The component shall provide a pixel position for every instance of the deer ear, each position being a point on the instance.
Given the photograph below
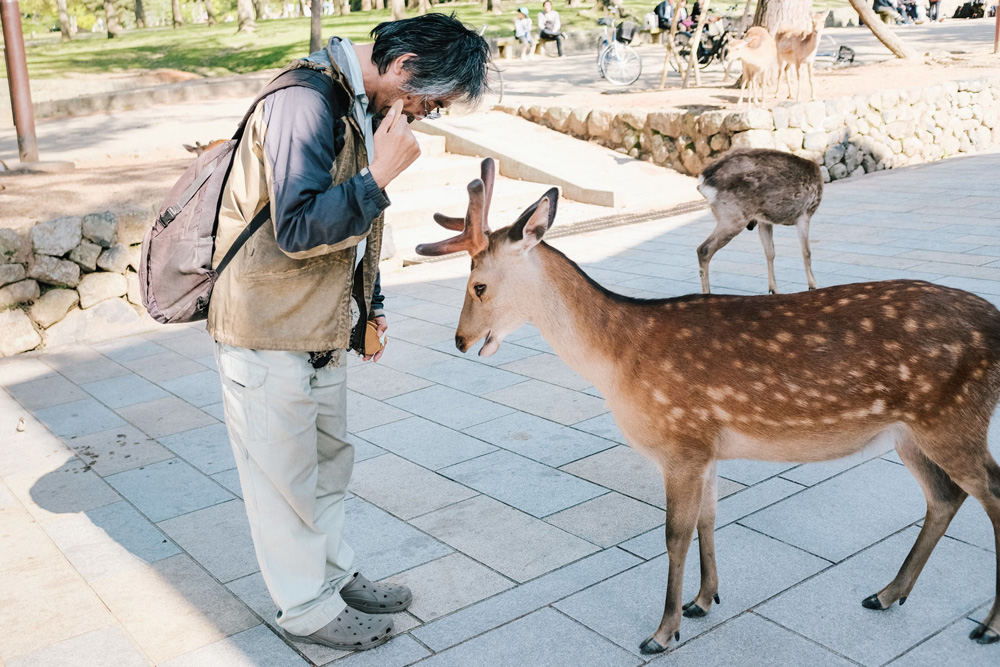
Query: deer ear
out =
(530, 226)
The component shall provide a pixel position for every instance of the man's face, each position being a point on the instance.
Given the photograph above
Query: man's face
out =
(547, 6)
(415, 106)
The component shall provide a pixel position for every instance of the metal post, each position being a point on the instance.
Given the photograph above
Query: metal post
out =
(17, 80)
(996, 33)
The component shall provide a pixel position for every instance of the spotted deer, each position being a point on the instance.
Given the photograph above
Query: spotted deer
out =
(759, 187)
(801, 377)
(756, 51)
(797, 47)
(200, 148)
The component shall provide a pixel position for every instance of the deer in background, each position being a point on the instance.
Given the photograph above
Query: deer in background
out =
(809, 376)
(200, 148)
(757, 53)
(747, 187)
(798, 47)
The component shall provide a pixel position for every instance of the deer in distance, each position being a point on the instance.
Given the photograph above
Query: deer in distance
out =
(801, 377)
(797, 47)
(756, 51)
(759, 187)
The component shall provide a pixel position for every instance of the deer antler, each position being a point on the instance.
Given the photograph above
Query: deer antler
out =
(474, 228)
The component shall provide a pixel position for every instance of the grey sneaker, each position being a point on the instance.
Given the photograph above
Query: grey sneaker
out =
(352, 630)
(365, 596)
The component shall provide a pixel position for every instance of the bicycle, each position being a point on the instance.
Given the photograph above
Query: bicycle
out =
(617, 62)
(713, 43)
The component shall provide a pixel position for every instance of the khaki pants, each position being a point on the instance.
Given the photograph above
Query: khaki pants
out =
(287, 423)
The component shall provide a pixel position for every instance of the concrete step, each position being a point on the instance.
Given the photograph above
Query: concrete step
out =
(585, 172)
(435, 171)
(430, 145)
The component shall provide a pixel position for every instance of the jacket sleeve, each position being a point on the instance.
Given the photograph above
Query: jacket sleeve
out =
(310, 217)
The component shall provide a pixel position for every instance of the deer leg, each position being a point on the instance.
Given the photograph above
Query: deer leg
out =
(684, 493)
(802, 227)
(723, 233)
(709, 590)
(777, 89)
(798, 83)
(944, 498)
(974, 470)
(766, 232)
(809, 71)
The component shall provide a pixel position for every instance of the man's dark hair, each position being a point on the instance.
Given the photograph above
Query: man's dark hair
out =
(451, 58)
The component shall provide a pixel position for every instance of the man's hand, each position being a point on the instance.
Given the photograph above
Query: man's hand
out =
(395, 148)
(383, 326)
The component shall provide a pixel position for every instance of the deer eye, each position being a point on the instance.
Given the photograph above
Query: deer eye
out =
(479, 289)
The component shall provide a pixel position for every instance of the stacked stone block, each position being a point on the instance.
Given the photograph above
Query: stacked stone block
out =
(848, 136)
(71, 279)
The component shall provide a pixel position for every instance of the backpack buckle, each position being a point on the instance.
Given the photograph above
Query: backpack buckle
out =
(168, 216)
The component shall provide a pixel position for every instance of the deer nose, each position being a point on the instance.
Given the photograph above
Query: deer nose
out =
(460, 342)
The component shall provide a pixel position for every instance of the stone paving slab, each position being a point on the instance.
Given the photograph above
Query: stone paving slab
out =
(499, 488)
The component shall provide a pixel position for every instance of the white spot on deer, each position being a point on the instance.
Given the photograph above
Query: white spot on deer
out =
(843, 302)
(720, 413)
(878, 407)
(707, 191)
(904, 372)
(866, 324)
(659, 397)
(849, 338)
(910, 325)
(716, 393)
(677, 413)
(784, 337)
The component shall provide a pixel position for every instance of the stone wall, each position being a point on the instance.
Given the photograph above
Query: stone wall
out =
(848, 136)
(71, 280)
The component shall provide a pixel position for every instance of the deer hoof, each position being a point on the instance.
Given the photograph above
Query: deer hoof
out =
(691, 610)
(872, 602)
(984, 635)
(716, 598)
(651, 646)
(902, 600)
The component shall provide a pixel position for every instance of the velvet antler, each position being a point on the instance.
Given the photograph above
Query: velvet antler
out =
(474, 228)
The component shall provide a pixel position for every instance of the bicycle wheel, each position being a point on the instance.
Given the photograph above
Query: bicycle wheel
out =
(602, 45)
(682, 47)
(621, 65)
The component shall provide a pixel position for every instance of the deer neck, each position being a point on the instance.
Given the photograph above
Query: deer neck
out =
(584, 323)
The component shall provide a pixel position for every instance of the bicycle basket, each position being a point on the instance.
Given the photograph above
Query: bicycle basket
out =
(845, 55)
(626, 31)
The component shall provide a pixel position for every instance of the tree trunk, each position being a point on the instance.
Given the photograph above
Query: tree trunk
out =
(366, 5)
(244, 16)
(65, 27)
(422, 7)
(693, 63)
(258, 9)
(345, 7)
(300, 9)
(111, 16)
(316, 26)
(498, 6)
(210, 10)
(881, 31)
(175, 9)
(774, 14)
(745, 19)
(398, 10)
(379, 4)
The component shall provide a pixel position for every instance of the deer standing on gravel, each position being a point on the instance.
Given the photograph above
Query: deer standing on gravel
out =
(809, 376)
(756, 51)
(758, 187)
(798, 47)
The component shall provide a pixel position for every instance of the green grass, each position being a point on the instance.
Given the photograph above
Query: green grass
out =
(219, 50)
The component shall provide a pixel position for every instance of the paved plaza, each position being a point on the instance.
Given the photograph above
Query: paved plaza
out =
(499, 489)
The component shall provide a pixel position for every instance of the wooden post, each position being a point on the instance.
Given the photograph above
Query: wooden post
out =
(17, 81)
(671, 51)
(695, 41)
(996, 34)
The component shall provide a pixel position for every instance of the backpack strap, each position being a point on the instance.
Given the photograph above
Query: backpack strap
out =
(303, 77)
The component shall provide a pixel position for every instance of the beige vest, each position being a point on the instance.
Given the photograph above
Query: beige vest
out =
(267, 299)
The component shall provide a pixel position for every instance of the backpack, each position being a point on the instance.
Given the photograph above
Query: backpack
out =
(175, 269)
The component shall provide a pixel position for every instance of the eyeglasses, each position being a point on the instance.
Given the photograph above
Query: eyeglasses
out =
(431, 110)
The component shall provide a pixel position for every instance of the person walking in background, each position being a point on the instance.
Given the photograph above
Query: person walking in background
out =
(933, 10)
(550, 29)
(522, 30)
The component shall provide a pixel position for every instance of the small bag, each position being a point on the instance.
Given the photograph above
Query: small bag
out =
(626, 31)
